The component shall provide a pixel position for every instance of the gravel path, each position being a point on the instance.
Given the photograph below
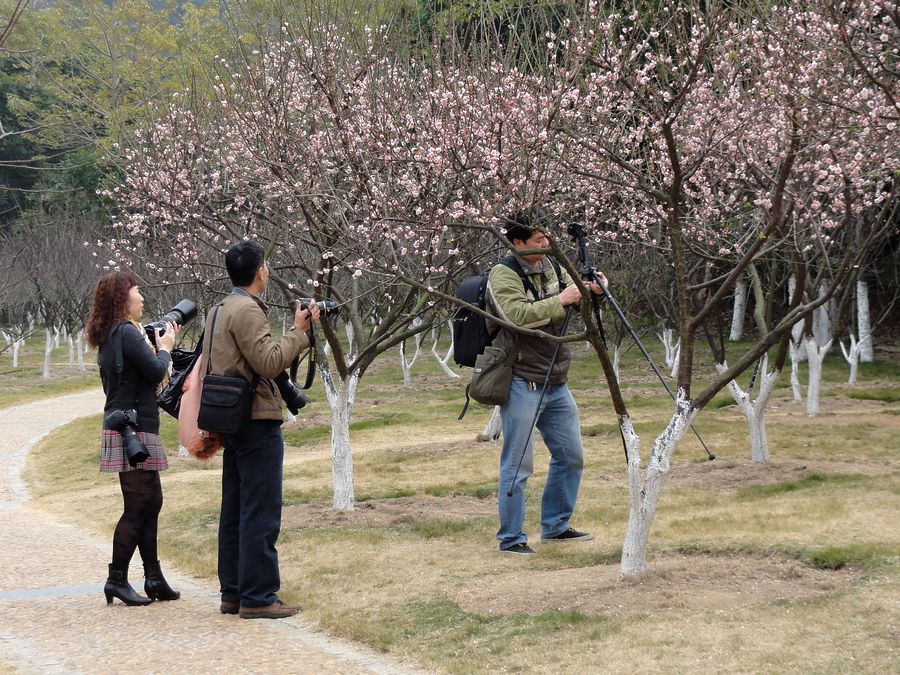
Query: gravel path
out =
(54, 618)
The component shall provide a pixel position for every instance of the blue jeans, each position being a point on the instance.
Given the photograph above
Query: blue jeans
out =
(250, 517)
(560, 429)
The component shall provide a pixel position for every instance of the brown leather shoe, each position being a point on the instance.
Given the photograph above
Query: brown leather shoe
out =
(277, 610)
(229, 607)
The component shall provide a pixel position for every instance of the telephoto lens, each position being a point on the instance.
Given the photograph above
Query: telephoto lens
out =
(293, 396)
(180, 314)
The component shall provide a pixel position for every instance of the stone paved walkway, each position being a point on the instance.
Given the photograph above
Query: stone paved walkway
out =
(54, 618)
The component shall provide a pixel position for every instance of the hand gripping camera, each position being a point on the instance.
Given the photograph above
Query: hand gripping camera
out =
(293, 396)
(180, 314)
(125, 422)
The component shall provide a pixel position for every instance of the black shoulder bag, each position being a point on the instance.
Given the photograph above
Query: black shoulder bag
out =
(224, 401)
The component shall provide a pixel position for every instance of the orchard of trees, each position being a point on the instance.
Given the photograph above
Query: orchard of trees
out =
(735, 166)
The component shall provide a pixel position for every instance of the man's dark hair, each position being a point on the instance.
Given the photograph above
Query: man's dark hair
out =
(242, 261)
(522, 224)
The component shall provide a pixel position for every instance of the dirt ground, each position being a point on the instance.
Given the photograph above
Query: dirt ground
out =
(673, 582)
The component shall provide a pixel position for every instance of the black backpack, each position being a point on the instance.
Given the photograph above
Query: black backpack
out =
(470, 332)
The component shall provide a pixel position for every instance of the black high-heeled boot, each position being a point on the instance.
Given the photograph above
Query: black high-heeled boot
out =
(155, 585)
(117, 586)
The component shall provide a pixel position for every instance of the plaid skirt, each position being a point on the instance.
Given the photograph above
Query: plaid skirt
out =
(114, 460)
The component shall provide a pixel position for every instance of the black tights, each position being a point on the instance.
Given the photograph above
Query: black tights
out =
(142, 493)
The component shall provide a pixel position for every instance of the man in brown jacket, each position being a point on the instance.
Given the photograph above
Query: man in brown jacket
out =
(241, 343)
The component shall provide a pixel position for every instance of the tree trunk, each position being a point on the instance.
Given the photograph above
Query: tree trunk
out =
(822, 328)
(494, 427)
(795, 370)
(816, 356)
(740, 310)
(71, 344)
(340, 399)
(852, 357)
(615, 363)
(673, 350)
(48, 350)
(645, 495)
(863, 322)
(79, 347)
(755, 411)
(799, 351)
(445, 361)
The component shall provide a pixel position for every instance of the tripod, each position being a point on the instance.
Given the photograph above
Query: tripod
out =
(577, 232)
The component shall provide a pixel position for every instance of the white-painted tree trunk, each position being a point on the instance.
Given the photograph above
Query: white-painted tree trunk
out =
(16, 346)
(57, 335)
(852, 356)
(740, 310)
(494, 427)
(645, 493)
(79, 348)
(795, 370)
(864, 323)
(405, 365)
(445, 361)
(48, 350)
(673, 350)
(815, 355)
(755, 411)
(822, 327)
(797, 329)
(341, 396)
(71, 344)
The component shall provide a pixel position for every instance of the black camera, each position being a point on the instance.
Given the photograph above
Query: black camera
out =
(325, 306)
(125, 422)
(293, 396)
(180, 314)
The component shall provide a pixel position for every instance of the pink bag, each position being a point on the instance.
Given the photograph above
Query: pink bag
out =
(201, 444)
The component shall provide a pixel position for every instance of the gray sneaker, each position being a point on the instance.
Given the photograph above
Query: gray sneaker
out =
(277, 610)
(569, 535)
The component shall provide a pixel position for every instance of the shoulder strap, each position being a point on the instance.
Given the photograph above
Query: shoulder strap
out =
(212, 334)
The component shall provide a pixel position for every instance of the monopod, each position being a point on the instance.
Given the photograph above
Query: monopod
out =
(577, 232)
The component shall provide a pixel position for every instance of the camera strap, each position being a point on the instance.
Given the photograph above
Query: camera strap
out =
(311, 366)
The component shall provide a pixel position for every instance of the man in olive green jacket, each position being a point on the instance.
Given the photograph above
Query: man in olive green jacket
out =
(541, 305)
(239, 342)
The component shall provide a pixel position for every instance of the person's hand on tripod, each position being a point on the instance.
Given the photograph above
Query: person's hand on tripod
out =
(596, 288)
(571, 294)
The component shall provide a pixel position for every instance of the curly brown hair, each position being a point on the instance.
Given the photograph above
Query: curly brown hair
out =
(108, 308)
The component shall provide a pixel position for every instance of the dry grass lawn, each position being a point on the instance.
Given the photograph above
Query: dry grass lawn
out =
(790, 566)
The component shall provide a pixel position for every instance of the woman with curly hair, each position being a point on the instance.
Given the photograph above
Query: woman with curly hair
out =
(131, 370)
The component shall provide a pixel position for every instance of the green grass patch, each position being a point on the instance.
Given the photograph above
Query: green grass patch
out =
(884, 395)
(480, 491)
(838, 557)
(814, 480)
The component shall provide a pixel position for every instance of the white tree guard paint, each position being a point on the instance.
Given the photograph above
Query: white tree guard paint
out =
(341, 396)
(815, 355)
(740, 310)
(445, 360)
(795, 370)
(797, 328)
(48, 350)
(821, 325)
(755, 411)
(645, 494)
(864, 323)
(494, 427)
(852, 356)
(79, 347)
(673, 350)
(615, 363)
